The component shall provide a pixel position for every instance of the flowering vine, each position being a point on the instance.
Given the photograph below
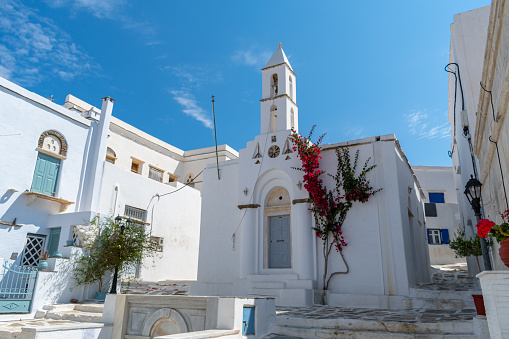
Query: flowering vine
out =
(330, 207)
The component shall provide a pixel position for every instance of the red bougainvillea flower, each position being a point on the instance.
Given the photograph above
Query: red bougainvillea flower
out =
(484, 227)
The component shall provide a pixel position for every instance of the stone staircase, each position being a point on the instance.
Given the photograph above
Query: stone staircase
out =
(340, 322)
(285, 288)
(60, 321)
(89, 312)
(443, 308)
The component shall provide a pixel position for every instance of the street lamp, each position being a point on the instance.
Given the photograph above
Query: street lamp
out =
(473, 193)
(118, 221)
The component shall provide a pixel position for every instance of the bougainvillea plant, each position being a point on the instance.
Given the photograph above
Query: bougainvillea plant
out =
(330, 207)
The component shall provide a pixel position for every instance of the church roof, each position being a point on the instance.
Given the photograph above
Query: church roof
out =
(278, 58)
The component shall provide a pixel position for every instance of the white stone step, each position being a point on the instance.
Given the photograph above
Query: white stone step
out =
(442, 327)
(263, 284)
(325, 333)
(296, 284)
(272, 277)
(442, 294)
(94, 308)
(270, 292)
(75, 316)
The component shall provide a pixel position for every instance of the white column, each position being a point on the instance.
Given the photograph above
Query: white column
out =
(97, 156)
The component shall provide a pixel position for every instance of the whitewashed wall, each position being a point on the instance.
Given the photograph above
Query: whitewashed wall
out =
(387, 250)
(25, 115)
(176, 218)
(467, 49)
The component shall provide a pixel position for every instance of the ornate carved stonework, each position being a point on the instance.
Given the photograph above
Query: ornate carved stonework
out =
(59, 136)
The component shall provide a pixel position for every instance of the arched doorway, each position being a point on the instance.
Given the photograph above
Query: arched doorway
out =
(278, 242)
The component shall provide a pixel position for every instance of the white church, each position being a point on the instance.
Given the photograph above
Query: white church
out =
(256, 234)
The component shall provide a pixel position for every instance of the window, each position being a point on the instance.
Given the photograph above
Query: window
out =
(274, 85)
(110, 155)
(436, 197)
(172, 178)
(438, 236)
(135, 213)
(34, 245)
(155, 174)
(291, 87)
(273, 119)
(430, 209)
(52, 149)
(135, 167)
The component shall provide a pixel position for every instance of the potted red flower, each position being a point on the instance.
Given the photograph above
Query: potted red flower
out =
(487, 228)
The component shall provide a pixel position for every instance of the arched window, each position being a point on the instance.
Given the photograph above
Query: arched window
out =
(52, 149)
(273, 118)
(274, 85)
(292, 118)
(290, 81)
(110, 155)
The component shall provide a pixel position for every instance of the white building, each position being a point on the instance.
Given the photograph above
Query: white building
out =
(256, 234)
(62, 166)
(441, 211)
(467, 49)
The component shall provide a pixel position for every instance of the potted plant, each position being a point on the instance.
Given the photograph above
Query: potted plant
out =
(487, 228)
(115, 246)
(465, 247)
(43, 262)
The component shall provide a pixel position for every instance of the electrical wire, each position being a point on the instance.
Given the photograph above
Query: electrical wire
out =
(496, 146)
(456, 78)
(252, 193)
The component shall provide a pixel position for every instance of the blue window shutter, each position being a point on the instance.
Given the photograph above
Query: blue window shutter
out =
(436, 197)
(45, 174)
(445, 236)
(429, 238)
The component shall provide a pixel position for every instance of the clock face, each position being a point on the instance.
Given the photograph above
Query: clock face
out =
(273, 151)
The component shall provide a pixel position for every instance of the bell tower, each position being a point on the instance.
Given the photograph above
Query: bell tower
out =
(279, 111)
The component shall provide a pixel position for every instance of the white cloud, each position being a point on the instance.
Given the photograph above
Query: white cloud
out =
(28, 41)
(251, 57)
(191, 108)
(101, 9)
(428, 125)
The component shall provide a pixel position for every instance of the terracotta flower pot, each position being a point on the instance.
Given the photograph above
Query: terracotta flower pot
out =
(479, 304)
(504, 252)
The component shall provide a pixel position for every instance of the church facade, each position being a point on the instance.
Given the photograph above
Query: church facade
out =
(256, 234)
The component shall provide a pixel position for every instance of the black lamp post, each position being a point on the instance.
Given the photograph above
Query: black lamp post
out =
(118, 221)
(473, 193)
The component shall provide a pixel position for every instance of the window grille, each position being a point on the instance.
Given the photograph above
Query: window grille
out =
(135, 213)
(33, 248)
(75, 239)
(155, 174)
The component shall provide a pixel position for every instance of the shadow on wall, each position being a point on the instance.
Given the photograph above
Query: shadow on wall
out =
(36, 213)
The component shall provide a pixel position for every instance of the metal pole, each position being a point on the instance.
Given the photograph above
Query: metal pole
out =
(215, 137)
(476, 205)
(115, 275)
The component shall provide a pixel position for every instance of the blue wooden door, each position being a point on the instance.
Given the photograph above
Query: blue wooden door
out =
(248, 321)
(279, 242)
(45, 174)
(54, 239)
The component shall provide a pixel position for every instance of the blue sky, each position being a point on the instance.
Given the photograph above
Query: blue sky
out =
(363, 68)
